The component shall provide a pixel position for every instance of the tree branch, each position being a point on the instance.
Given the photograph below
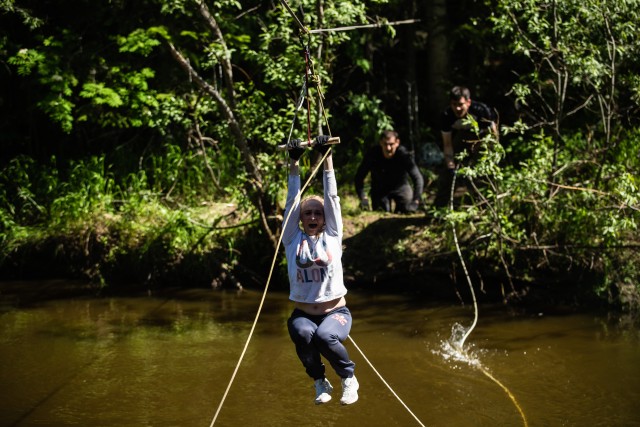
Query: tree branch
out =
(255, 178)
(225, 61)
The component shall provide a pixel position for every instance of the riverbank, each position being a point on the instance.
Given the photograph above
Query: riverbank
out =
(391, 252)
(382, 252)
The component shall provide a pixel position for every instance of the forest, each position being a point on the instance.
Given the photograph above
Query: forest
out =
(139, 140)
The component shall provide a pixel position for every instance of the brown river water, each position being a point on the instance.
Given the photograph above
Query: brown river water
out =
(70, 358)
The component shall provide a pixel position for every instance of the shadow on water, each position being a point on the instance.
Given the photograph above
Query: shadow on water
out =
(71, 358)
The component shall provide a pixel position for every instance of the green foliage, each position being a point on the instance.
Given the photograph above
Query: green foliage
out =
(101, 94)
(28, 19)
(108, 221)
(108, 87)
(87, 192)
(561, 192)
(522, 220)
(366, 116)
(142, 41)
(128, 103)
(571, 188)
(580, 54)
(49, 64)
(370, 111)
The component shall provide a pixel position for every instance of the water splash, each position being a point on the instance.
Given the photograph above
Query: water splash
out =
(453, 348)
(458, 334)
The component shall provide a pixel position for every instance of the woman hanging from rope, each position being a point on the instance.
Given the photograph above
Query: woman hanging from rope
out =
(320, 321)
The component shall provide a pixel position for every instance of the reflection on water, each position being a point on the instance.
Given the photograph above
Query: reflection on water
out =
(69, 358)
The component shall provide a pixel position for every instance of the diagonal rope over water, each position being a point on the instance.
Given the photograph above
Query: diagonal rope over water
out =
(385, 383)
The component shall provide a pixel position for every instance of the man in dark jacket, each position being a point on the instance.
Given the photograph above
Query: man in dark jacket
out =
(458, 135)
(390, 165)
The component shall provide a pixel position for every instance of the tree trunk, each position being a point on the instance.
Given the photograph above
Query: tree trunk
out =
(437, 85)
(413, 124)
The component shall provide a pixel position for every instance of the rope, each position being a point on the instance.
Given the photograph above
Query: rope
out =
(385, 383)
(307, 60)
(264, 294)
(460, 346)
(506, 390)
(304, 94)
(464, 266)
(299, 104)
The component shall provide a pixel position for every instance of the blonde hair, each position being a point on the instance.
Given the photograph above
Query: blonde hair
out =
(312, 197)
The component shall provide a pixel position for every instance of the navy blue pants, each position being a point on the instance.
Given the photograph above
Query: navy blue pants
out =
(316, 335)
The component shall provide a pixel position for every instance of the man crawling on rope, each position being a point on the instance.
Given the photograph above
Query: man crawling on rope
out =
(320, 321)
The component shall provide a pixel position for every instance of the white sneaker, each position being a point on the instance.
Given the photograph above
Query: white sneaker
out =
(350, 388)
(323, 391)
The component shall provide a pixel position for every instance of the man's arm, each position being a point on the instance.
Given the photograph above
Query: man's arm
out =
(447, 149)
(414, 173)
(494, 128)
(487, 118)
(361, 174)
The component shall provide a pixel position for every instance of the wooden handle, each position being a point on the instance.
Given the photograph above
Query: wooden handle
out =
(304, 144)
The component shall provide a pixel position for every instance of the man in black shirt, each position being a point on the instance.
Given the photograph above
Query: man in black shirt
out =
(458, 134)
(390, 165)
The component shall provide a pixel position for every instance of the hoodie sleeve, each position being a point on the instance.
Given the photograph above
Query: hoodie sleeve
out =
(292, 210)
(332, 210)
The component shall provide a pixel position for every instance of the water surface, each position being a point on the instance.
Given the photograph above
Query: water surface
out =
(72, 358)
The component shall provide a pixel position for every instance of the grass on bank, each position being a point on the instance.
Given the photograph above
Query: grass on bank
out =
(165, 227)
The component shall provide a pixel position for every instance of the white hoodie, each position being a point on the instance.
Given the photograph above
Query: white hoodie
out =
(314, 266)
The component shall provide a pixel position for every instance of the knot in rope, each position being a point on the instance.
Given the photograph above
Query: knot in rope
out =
(313, 80)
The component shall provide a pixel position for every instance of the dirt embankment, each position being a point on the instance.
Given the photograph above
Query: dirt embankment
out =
(382, 252)
(399, 253)
(390, 252)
